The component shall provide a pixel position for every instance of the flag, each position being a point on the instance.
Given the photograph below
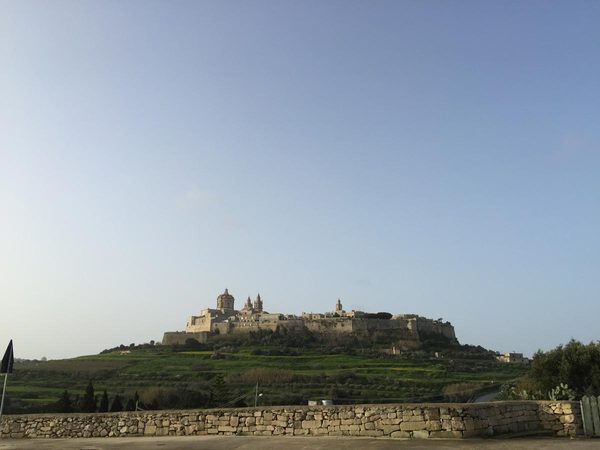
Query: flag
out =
(8, 360)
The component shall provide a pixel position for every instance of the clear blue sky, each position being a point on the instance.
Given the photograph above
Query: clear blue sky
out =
(430, 157)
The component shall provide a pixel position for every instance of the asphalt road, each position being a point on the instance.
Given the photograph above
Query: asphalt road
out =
(292, 443)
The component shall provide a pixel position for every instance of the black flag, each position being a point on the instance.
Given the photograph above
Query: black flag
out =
(8, 360)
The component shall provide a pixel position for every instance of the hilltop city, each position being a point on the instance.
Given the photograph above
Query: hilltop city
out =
(225, 319)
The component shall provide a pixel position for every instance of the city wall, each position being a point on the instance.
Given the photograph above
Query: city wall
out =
(424, 421)
(180, 337)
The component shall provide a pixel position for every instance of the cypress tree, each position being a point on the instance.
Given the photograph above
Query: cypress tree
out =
(89, 400)
(117, 404)
(64, 403)
(103, 402)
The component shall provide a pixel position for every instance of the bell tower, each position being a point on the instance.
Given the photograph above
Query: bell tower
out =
(225, 302)
(258, 304)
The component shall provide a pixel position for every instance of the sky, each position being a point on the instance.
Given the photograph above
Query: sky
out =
(432, 157)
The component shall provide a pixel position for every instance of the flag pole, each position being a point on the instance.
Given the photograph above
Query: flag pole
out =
(3, 393)
(6, 367)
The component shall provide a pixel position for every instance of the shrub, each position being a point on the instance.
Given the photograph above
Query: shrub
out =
(576, 365)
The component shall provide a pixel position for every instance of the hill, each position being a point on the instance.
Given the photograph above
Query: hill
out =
(289, 370)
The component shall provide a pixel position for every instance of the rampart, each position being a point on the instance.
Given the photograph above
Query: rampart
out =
(180, 337)
(225, 319)
(455, 420)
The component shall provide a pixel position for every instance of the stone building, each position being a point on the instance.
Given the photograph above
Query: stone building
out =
(226, 319)
(510, 357)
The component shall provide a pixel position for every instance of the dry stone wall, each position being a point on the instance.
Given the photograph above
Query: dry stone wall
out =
(393, 421)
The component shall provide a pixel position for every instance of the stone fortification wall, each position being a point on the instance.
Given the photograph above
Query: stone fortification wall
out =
(351, 325)
(179, 337)
(395, 421)
(429, 326)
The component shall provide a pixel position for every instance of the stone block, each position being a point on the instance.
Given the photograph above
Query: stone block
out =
(445, 434)
(569, 418)
(474, 433)
(457, 424)
(413, 426)
(469, 424)
(433, 425)
(420, 434)
(432, 414)
(400, 434)
(389, 429)
(310, 424)
(371, 433)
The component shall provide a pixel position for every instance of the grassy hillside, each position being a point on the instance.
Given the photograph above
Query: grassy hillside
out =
(226, 374)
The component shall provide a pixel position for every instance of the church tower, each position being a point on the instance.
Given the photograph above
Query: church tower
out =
(258, 304)
(225, 302)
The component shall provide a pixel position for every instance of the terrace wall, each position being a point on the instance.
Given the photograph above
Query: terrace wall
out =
(393, 420)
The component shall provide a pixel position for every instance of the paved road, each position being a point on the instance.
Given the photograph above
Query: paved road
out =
(293, 443)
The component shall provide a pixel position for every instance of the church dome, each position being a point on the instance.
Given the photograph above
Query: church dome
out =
(225, 301)
(225, 296)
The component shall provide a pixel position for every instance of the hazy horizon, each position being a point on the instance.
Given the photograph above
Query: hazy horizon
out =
(428, 157)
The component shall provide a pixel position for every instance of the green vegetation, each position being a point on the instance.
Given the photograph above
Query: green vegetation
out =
(567, 372)
(289, 369)
(88, 403)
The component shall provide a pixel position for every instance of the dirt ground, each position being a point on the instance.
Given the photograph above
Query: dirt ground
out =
(291, 443)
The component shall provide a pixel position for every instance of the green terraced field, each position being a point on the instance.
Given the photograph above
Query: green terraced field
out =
(166, 378)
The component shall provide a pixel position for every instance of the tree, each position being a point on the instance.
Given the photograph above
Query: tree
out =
(64, 404)
(576, 365)
(132, 403)
(103, 402)
(117, 404)
(130, 406)
(218, 391)
(88, 403)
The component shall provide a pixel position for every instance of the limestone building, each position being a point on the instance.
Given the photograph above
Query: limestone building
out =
(226, 319)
